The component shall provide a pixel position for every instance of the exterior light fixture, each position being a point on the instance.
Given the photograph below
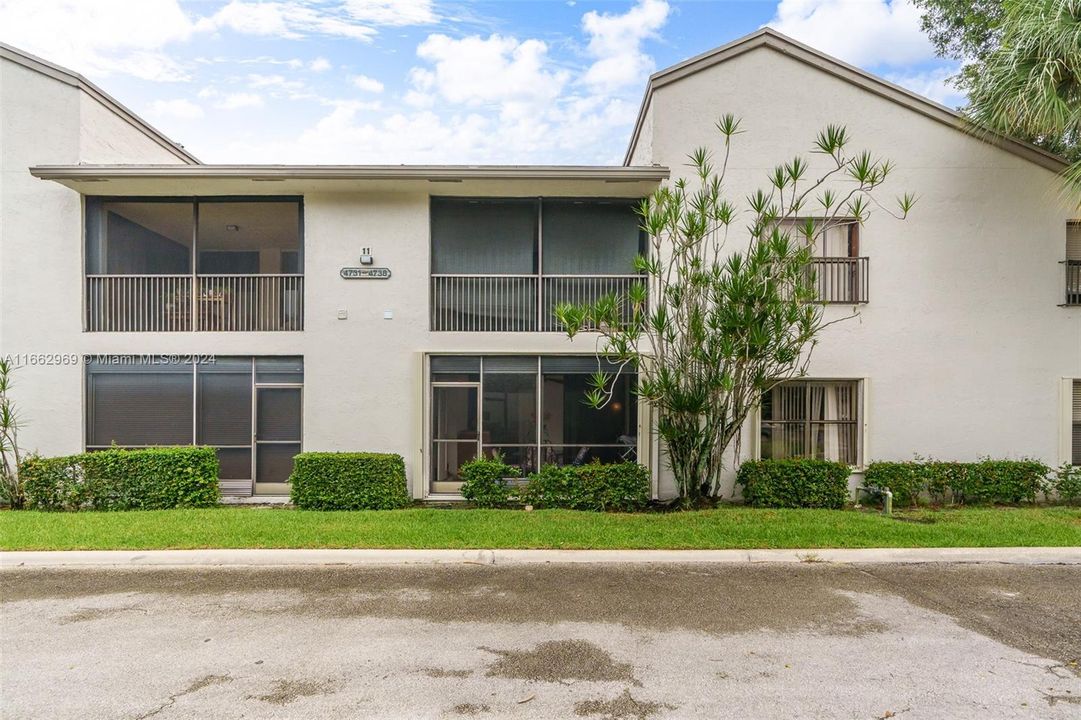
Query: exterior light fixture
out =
(232, 228)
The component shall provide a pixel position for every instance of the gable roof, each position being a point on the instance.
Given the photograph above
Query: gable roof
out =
(770, 38)
(32, 62)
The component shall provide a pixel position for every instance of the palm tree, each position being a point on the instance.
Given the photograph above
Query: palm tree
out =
(1030, 86)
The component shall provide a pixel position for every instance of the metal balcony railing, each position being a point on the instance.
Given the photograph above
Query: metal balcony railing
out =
(842, 279)
(582, 289)
(515, 303)
(1073, 282)
(180, 303)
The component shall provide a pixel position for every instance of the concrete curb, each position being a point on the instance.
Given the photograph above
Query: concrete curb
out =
(375, 557)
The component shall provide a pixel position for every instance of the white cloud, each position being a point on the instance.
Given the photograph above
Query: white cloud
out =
(933, 84)
(862, 32)
(275, 82)
(319, 64)
(236, 101)
(615, 41)
(295, 19)
(392, 12)
(494, 70)
(178, 109)
(100, 37)
(367, 84)
(290, 19)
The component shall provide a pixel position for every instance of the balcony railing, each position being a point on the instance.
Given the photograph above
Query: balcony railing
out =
(515, 303)
(167, 303)
(582, 289)
(842, 279)
(1073, 282)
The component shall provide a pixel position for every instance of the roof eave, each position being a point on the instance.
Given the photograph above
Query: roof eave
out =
(353, 172)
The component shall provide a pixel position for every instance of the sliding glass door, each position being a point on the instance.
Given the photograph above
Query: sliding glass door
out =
(530, 410)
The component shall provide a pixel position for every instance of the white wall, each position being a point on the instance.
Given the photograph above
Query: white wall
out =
(962, 341)
(44, 120)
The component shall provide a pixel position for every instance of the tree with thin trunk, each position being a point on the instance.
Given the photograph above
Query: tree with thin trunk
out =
(10, 454)
(709, 329)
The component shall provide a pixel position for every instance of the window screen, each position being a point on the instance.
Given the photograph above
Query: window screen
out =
(590, 237)
(496, 237)
(570, 431)
(223, 402)
(134, 403)
(138, 237)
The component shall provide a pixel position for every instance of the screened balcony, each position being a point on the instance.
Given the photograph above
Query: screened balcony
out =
(502, 265)
(246, 255)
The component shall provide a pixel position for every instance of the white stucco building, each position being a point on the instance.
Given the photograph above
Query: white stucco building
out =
(267, 309)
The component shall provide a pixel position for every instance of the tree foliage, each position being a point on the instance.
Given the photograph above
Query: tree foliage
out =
(1022, 66)
(11, 487)
(710, 329)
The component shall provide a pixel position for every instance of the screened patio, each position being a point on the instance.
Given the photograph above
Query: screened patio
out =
(503, 265)
(172, 265)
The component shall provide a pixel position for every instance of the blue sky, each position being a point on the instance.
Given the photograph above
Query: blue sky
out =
(428, 81)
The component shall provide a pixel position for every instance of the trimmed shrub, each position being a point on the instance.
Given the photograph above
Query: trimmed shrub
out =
(348, 481)
(619, 487)
(986, 481)
(797, 483)
(1066, 483)
(147, 479)
(906, 480)
(484, 481)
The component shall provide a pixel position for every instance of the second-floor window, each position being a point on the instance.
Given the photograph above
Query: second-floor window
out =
(841, 273)
(504, 264)
(221, 264)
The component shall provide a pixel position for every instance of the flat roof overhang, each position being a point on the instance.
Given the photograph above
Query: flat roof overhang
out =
(491, 180)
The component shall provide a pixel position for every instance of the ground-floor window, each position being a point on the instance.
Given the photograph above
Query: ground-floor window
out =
(484, 406)
(1075, 405)
(812, 419)
(248, 408)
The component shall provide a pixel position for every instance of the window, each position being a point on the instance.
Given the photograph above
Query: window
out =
(812, 419)
(484, 406)
(248, 409)
(1075, 405)
(1073, 263)
(840, 273)
(502, 264)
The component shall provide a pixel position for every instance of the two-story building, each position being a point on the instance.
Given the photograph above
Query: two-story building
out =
(262, 310)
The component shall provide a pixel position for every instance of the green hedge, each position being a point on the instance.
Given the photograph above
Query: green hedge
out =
(794, 483)
(349, 481)
(986, 481)
(1066, 483)
(150, 479)
(621, 487)
(484, 481)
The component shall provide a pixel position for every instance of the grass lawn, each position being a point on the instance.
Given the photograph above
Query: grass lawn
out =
(732, 527)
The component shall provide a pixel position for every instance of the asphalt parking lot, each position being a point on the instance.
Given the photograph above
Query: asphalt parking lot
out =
(544, 641)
